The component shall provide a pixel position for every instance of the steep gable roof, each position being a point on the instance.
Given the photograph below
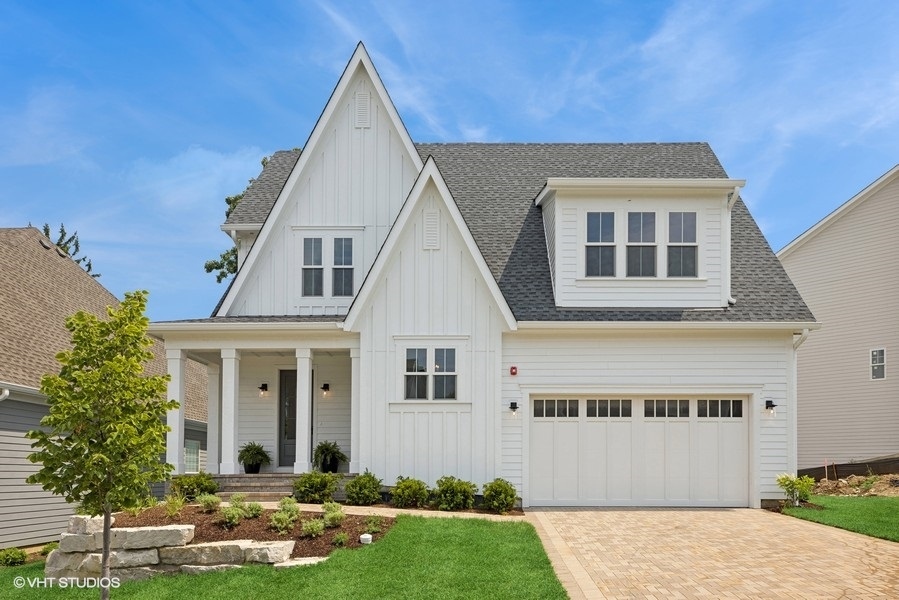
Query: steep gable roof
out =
(40, 286)
(262, 192)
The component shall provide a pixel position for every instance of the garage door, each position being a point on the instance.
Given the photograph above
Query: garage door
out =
(639, 452)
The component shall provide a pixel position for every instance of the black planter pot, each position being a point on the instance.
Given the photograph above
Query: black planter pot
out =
(330, 465)
(251, 469)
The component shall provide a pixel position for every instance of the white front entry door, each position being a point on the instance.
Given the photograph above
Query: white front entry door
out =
(639, 452)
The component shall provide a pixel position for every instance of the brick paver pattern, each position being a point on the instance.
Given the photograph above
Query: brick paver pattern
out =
(711, 553)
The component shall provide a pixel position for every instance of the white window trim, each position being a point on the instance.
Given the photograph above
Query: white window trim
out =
(327, 236)
(621, 244)
(654, 244)
(351, 266)
(304, 266)
(669, 244)
(872, 364)
(430, 344)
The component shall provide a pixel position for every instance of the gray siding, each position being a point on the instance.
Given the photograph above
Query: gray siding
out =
(28, 514)
(847, 274)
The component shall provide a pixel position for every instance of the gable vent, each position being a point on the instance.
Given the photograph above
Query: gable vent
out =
(431, 229)
(363, 110)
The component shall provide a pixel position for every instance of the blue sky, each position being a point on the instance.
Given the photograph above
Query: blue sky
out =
(131, 121)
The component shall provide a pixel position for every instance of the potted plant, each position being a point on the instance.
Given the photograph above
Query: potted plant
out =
(327, 457)
(253, 456)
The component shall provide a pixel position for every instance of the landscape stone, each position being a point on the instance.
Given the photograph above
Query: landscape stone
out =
(197, 569)
(269, 552)
(138, 573)
(78, 542)
(70, 561)
(211, 553)
(134, 538)
(85, 525)
(301, 562)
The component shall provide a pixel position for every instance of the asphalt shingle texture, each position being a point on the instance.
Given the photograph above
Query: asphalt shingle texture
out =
(495, 185)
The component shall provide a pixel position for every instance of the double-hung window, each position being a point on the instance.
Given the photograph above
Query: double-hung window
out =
(600, 250)
(682, 249)
(878, 364)
(313, 273)
(641, 244)
(430, 374)
(342, 279)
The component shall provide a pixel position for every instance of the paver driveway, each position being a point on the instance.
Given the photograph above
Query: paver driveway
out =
(711, 553)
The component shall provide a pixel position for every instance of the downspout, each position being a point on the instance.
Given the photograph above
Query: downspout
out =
(731, 200)
(4, 394)
(801, 339)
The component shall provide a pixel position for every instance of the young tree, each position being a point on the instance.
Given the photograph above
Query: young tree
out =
(101, 440)
(71, 246)
(226, 264)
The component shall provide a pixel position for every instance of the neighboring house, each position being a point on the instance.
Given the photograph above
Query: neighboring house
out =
(40, 286)
(600, 324)
(846, 268)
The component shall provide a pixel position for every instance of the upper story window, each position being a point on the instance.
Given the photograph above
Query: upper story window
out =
(878, 364)
(430, 379)
(641, 244)
(682, 248)
(313, 273)
(600, 250)
(343, 267)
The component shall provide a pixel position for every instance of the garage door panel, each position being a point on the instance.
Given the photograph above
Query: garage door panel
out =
(665, 452)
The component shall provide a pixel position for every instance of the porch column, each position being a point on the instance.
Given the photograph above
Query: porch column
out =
(355, 448)
(230, 388)
(213, 422)
(303, 460)
(174, 442)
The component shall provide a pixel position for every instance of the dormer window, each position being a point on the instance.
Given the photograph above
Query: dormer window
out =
(600, 250)
(641, 244)
(682, 249)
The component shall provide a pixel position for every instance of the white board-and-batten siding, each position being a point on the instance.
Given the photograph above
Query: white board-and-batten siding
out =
(568, 236)
(28, 514)
(353, 184)
(847, 275)
(431, 298)
(658, 364)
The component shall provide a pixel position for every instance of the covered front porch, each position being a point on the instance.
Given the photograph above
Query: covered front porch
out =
(287, 389)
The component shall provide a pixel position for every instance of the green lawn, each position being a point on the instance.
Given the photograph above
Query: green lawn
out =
(419, 557)
(870, 515)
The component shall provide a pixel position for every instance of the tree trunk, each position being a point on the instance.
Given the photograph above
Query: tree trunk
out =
(104, 569)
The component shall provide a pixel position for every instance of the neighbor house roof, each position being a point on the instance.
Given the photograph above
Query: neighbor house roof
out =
(495, 185)
(40, 286)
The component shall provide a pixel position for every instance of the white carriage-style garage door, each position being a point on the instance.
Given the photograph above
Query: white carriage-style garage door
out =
(639, 452)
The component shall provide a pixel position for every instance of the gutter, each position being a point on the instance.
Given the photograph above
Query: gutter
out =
(4, 394)
(801, 339)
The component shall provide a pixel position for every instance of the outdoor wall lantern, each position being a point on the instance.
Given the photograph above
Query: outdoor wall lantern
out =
(770, 407)
(514, 408)
(263, 390)
(326, 387)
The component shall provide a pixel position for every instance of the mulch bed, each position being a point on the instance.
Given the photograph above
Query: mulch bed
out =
(208, 529)
(782, 504)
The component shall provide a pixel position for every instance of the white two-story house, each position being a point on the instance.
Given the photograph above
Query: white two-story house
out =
(600, 324)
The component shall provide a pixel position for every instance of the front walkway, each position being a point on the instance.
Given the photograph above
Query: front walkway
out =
(711, 553)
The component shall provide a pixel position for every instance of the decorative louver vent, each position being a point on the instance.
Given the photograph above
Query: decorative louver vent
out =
(431, 229)
(363, 110)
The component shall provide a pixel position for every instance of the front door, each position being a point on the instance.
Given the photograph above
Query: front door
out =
(287, 418)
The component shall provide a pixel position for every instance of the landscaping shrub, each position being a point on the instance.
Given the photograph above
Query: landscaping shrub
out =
(373, 524)
(409, 492)
(173, 505)
(331, 507)
(289, 505)
(238, 501)
(499, 496)
(363, 490)
(797, 489)
(230, 516)
(252, 510)
(333, 519)
(191, 486)
(12, 557)
(209, 502)
(341, 539)
(49, 547)
(315, 487)
(313, 528)
(283, 521)
(454, 494)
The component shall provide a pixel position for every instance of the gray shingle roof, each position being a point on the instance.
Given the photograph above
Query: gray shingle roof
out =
(39, 289)
(262, 192)
(495, 185)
